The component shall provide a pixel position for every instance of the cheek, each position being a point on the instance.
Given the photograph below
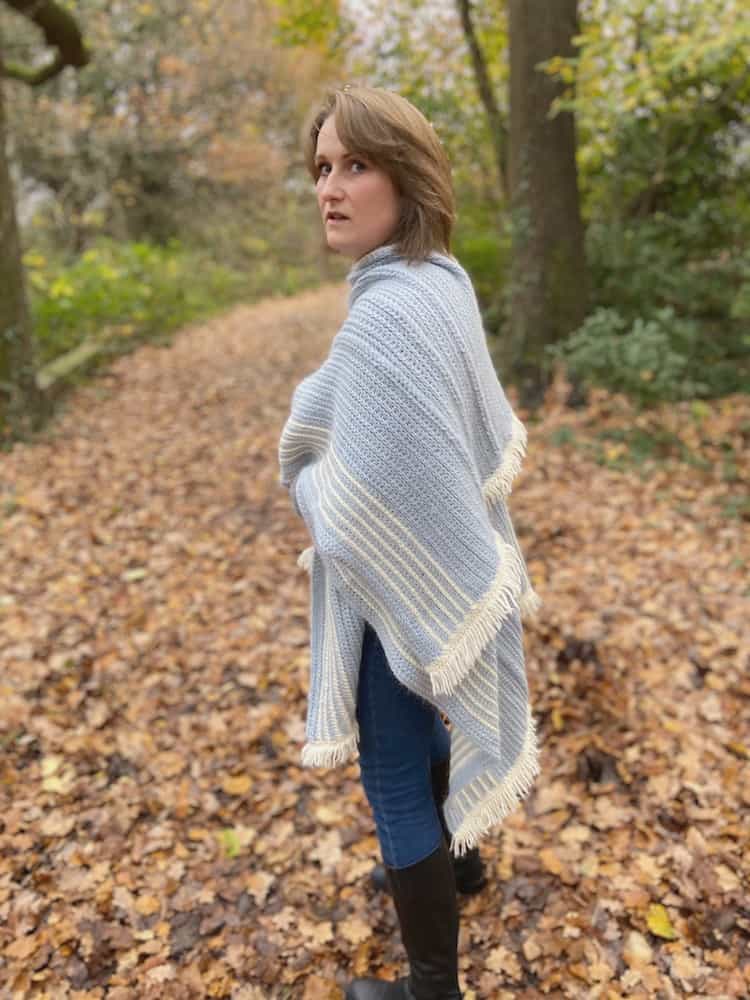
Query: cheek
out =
(394, 202)
(382, 197)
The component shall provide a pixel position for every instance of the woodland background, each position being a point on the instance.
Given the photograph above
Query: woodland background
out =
(163, 287)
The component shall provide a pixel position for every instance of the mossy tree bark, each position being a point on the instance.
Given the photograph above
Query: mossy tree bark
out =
(23, 406)
(549, 282)
(21, 403)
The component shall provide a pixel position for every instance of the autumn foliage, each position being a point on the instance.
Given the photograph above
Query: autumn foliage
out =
(158, 836)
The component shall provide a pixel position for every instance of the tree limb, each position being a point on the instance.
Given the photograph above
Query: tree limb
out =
(60, 31)
(498, 130)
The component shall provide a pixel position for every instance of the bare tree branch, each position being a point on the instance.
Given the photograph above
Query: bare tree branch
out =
(498, 129)
(60, 31)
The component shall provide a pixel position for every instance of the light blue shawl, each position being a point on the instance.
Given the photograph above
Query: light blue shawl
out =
(399, 452)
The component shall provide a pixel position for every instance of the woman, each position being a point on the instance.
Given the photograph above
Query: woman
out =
(399, 453)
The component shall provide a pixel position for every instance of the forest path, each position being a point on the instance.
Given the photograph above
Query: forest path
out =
(158, 837)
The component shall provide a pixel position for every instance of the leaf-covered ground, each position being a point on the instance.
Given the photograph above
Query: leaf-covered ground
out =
(158, 837)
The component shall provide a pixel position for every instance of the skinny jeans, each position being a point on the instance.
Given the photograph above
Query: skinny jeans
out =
(401, 737)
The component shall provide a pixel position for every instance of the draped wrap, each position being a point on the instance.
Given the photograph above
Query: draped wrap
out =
(399, 453)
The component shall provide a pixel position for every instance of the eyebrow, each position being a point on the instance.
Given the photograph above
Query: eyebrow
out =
(346, 156)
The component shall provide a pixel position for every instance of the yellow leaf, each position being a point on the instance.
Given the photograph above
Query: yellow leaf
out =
(238, 784)
(659, 923)
(550, 860)
(50, 764)
(57, 776)
(146, 905)
(229, 842)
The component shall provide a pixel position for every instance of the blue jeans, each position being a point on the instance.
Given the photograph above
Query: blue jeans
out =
(401, 737)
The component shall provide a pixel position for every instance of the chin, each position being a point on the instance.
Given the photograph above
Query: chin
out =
(342, 250)
(333, 245)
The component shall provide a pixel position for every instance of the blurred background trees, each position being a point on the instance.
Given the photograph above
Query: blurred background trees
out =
(600, 156)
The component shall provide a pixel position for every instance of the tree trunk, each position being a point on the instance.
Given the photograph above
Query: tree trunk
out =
(22, 405)
(549, 284)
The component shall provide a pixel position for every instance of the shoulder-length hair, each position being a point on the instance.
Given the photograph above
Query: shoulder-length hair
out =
(395, 136)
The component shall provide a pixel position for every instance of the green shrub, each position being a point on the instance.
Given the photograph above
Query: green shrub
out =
(482, 245)
(693, 263)
(127, 288)
(654, 358)
(671, 301)
(485, 259)
(139, 290)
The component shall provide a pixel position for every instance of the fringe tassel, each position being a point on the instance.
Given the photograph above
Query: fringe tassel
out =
(319, 754)
(449, 669)
(530, 603)
(502, 800)
(500, 484)
(305, 559)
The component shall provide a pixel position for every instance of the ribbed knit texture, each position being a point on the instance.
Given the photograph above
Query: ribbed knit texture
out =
(399, 453)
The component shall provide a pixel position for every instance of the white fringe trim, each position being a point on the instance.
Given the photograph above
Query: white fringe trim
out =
(501, 800)
(530, 603)
(500, 484)
(305, 559)
(481, 627)
(320, 754)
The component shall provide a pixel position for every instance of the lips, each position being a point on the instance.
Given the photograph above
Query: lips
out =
(336, 217)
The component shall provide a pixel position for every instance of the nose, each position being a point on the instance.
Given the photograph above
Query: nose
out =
(331, 186)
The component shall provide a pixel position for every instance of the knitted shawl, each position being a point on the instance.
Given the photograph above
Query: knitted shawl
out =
(399, 453)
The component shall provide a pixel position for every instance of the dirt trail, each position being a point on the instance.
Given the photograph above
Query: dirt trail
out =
(158, 837)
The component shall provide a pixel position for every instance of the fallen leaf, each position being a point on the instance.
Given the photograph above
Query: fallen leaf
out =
(57, 824)
(239, 784)
(659, 923)
(315, 933)
(500, 959)
(354, 930)
(146, 905)
(636, 951)
(320, 988)
(259, 885)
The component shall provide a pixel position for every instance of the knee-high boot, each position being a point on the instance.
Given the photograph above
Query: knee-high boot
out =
(469, 868)
(424, 895)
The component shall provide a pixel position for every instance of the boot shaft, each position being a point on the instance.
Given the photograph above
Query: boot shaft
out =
(424, 895)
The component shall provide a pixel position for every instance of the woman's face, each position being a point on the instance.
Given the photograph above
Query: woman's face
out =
(356, 189)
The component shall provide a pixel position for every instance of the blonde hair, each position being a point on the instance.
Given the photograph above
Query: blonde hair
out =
(388, 130)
